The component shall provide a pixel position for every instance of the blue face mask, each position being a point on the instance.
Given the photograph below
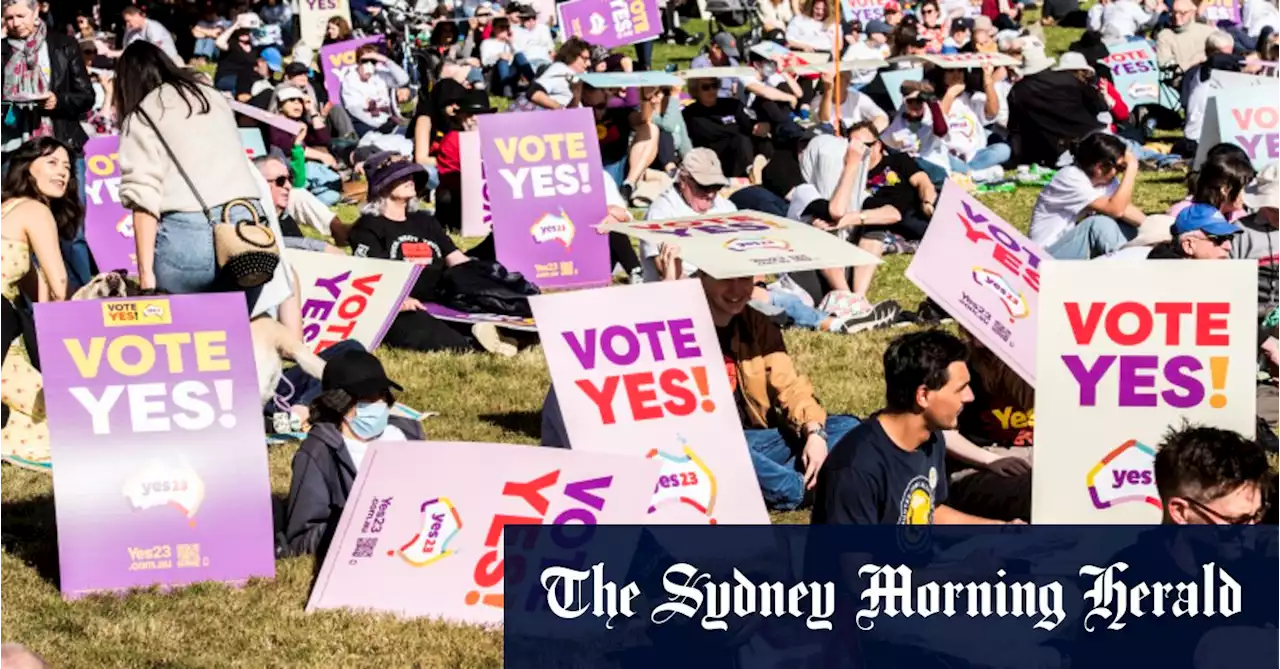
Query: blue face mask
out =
(370, 420)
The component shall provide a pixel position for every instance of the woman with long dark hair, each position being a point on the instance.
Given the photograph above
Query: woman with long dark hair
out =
(1087, 209)
(41, 208)
(181, 170)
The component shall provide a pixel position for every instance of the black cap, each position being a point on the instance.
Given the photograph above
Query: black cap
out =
(475, 101)
(295, 68)
(359, 373)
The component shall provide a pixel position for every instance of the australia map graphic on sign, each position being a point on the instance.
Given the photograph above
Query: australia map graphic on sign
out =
(440, 524)
(684, 479)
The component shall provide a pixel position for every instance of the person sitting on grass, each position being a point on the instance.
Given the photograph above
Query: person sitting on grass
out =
(894, 217)
(989, 454)
(553, 89)
(628, 138)
(788, 432)
(371, 93)
(725, 126)
(1086, 211)
(920, 130)
(891, 469)
(352, 411)
(286, 202)
(390, 227)
(506, 67)
(323, 179)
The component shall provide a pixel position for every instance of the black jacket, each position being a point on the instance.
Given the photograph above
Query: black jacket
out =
(322, 476)
(70, 82)
(1048, 112)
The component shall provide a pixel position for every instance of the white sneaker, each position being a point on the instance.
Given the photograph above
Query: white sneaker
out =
(881, 315)
(490, 340)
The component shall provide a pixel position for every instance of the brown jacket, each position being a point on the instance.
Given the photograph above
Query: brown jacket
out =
(775, 395)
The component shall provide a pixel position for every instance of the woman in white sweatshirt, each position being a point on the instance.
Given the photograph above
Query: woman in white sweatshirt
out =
(159, 104)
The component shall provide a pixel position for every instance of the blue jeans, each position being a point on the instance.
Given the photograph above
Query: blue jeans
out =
(617, 171)
(1094, 236)
(803, 315)
(937, 175)
(1143, 153)
(776, 462)
(206, 47)
(759, 198)
(508, 73)
(988, 156)
(185, 261)
(324, 183)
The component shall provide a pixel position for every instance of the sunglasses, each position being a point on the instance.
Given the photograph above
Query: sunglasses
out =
(1219, 519)
(280, 181)
(1218, 240)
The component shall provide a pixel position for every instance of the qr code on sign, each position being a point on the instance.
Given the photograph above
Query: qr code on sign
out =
(188, 555)
(364, 547)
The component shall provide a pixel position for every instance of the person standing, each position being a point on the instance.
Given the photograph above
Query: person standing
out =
(47, 92)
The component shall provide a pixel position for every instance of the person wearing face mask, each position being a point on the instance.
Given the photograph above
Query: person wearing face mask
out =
(1182, 43)
(370, 93)
(352, 412)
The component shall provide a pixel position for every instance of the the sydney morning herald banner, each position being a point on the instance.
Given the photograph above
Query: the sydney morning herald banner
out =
(869, 597)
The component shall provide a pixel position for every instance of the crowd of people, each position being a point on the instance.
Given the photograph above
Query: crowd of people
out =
(170, 79)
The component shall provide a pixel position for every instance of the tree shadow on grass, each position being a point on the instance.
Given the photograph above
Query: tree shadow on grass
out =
(528, 423)
(31, 534)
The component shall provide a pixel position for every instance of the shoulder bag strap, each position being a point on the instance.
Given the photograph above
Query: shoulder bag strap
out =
(190, 184)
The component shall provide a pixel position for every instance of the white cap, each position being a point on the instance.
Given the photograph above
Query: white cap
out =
(1263, 192)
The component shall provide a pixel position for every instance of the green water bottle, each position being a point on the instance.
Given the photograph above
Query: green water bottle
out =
(298, 163)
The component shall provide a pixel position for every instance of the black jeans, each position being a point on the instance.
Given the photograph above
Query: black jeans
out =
(420, 331)
(990, 495)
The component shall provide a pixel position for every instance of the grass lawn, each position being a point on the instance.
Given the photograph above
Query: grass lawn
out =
(480, 398)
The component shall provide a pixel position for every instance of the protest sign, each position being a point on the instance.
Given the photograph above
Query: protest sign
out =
(477, 215)
(157, 437)
(421, 534)
(336, 59)
(953, 61)
(508, 322)
(546, 191)
(611, 23)
(747, 243)
(274, 120)
(1244, 116)
(346, 297)
(862, 10)
(1134, 72)
(1126, 351)
(1213, 11)
(629, 79)
(251, 140)
(108, 226)
(744, 73)
(314, 15)
(638, 371)
(849, 65)
(984, 273)
(893, 80)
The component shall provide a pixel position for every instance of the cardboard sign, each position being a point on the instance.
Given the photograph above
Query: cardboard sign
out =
(852, 65)
(862, 10)
(1126, 351)
(507, 322)
(345, 297)
(336, 59)
(984, 273)
(314, 15)
(1244, 116)
(1213, 11)
(261, 115)
(743, 73)
(748, 243)
(108, 226)
(477, 214)
(422, 531)
(611, 23)
(638, 371)
(251, 140)
(160, 473)
(893, 80)
(546, 189)
(1134, 72)
(629, 79)
(952, 61)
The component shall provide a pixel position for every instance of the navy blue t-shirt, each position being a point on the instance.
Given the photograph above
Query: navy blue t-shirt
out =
(868, 480)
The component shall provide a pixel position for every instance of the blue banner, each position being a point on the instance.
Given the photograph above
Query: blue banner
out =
(893, 597)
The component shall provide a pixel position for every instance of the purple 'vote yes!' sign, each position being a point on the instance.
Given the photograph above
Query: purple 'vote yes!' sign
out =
(546, 192)
(611, 23)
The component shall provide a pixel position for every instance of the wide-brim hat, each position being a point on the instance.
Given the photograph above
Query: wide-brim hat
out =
(385, 169)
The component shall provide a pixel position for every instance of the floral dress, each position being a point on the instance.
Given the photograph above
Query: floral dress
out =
(26, 433)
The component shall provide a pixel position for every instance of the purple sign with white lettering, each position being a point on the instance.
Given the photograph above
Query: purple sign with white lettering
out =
(611, 23)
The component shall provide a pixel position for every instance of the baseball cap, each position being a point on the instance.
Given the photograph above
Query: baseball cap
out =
(1204, 218)
(359, 374)
(1263, 193)
(961, 24)
(727, 44)
(892, 6)
(288, 92)
(704, 166)
(877, 27)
